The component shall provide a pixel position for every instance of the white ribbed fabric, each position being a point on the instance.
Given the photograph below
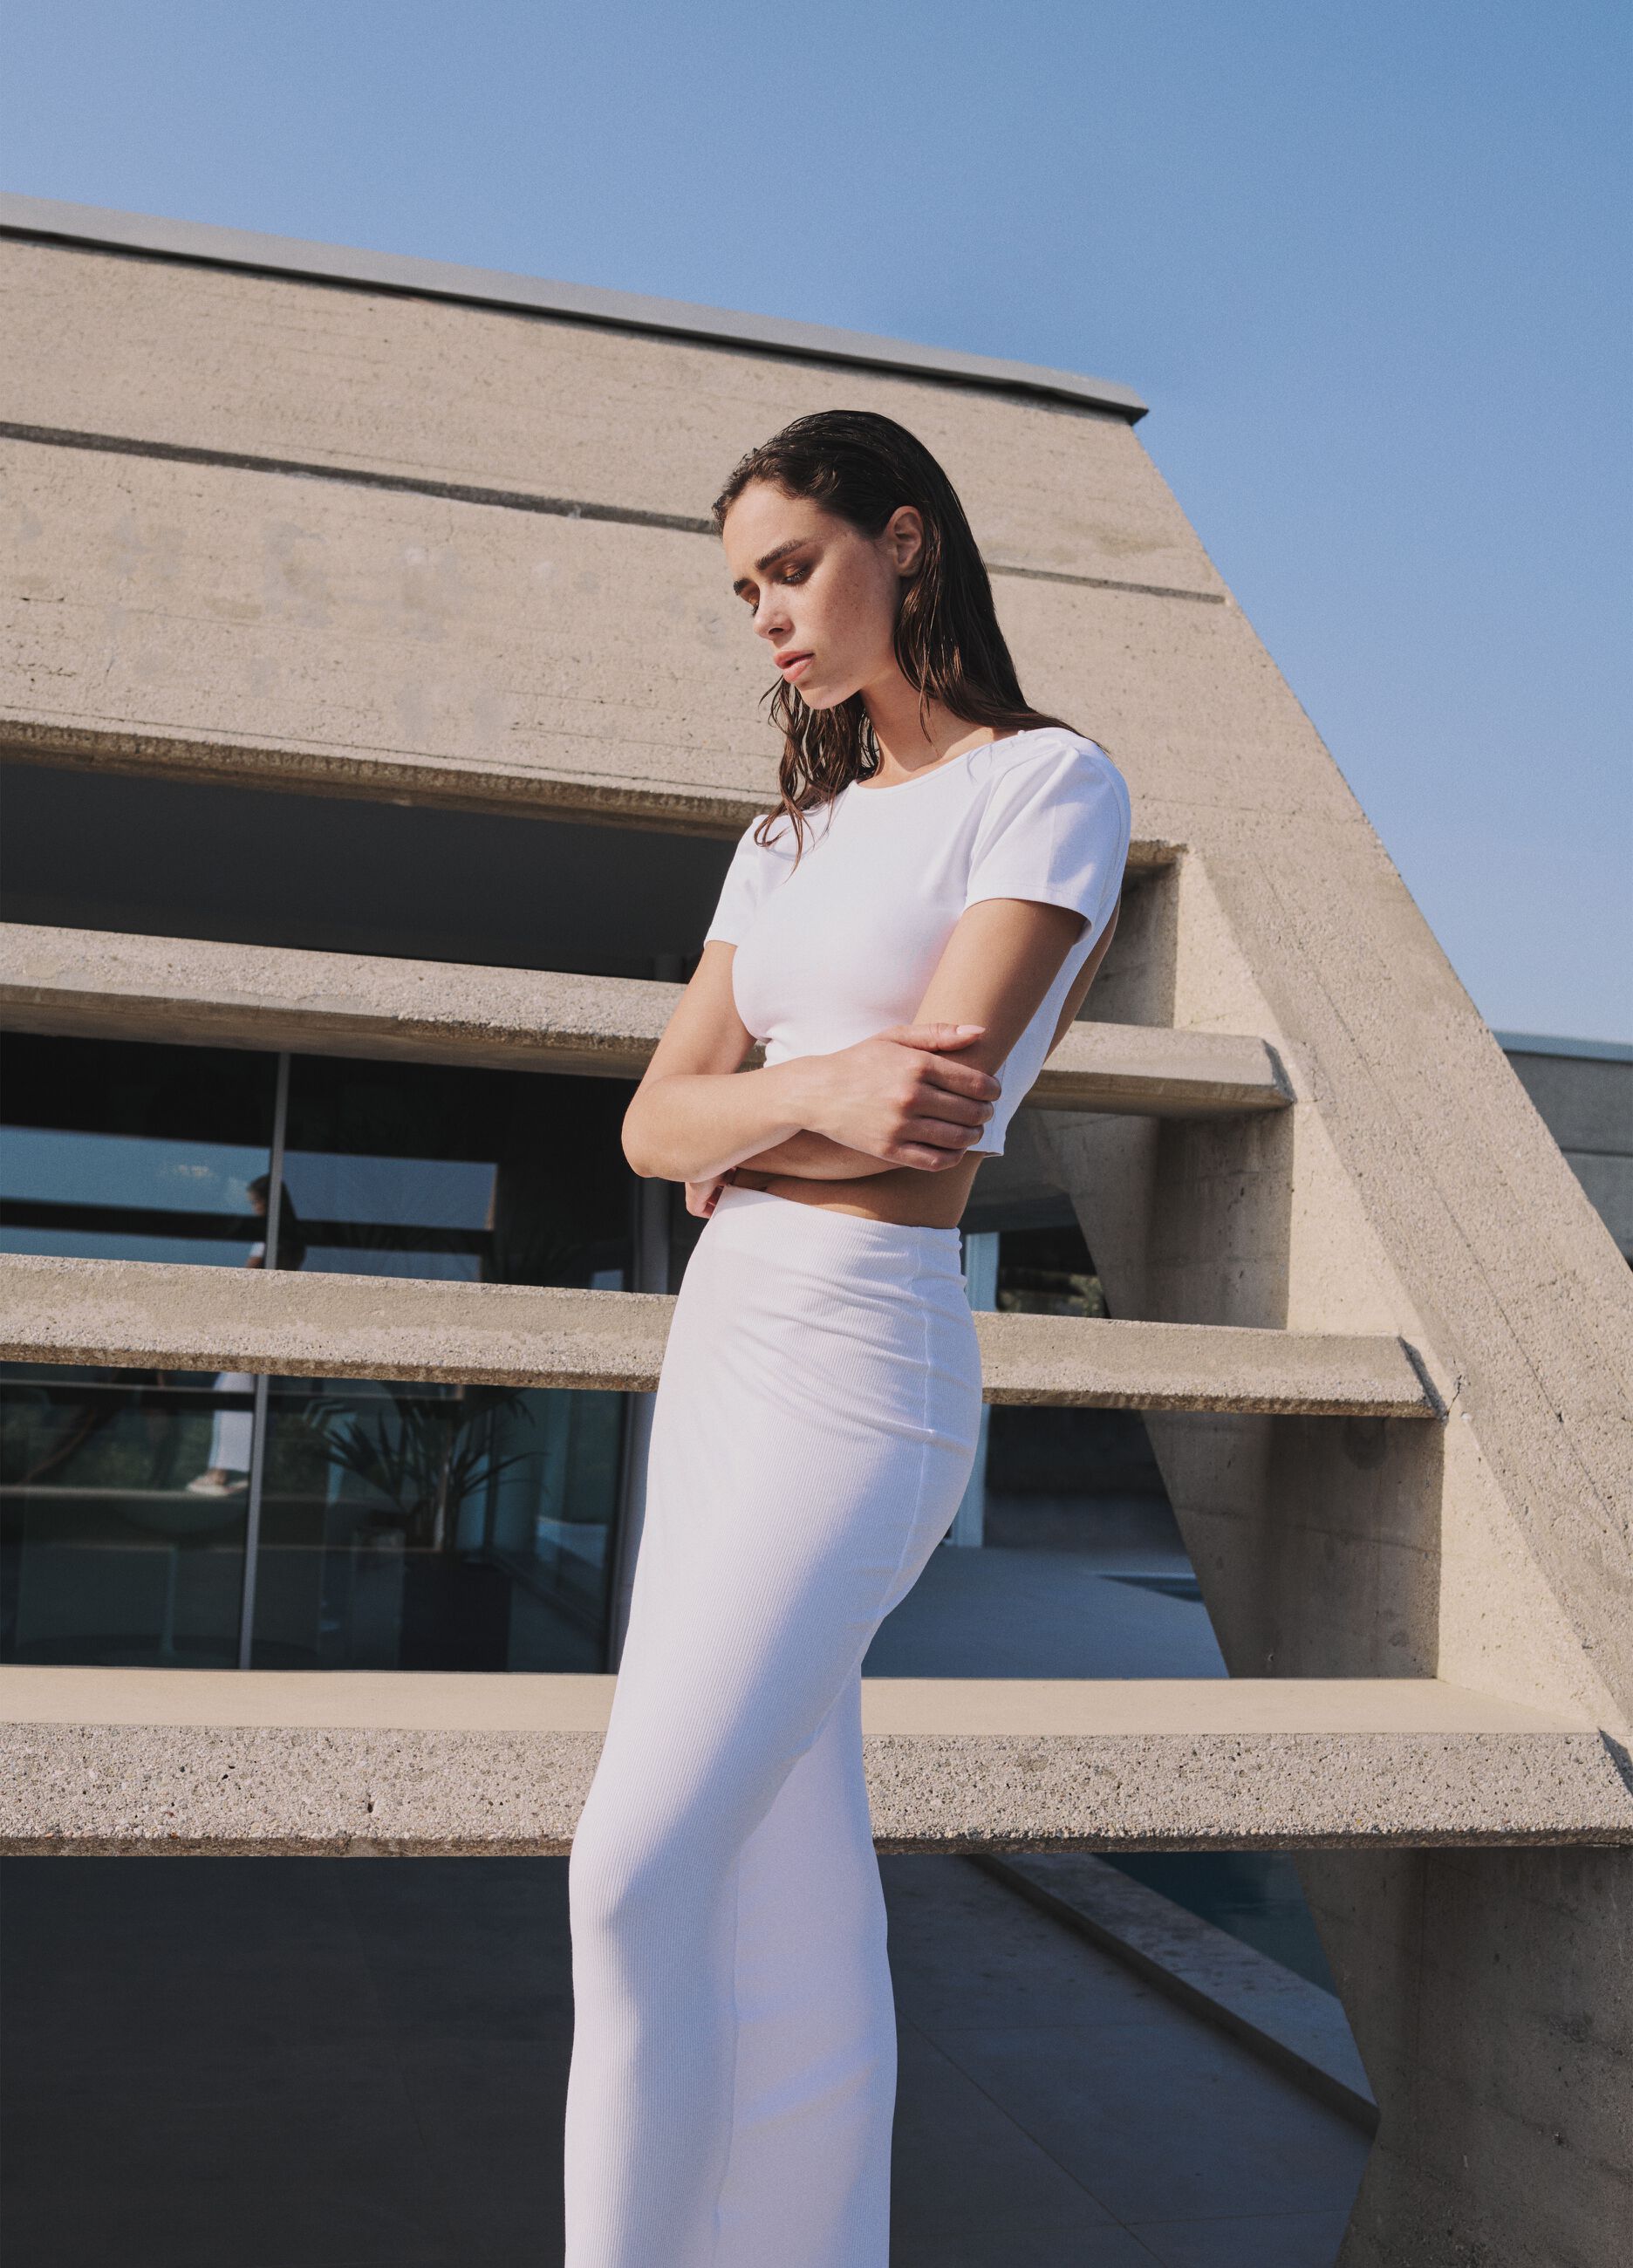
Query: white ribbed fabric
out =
(734, 2050)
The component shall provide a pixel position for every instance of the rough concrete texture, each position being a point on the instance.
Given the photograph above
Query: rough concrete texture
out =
(361, 641)
(242, 623)
(89, 1790)
(210, 361)
(1506, 2138)
(143, 1314)
(105, 1760)
(106, 985)
(1291, 2024)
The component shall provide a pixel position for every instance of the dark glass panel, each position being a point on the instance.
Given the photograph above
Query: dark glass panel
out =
(485, 1176)
(419, 1526)
(514, 887)
(109, 1554)
(111, 1550)
(116, 1150)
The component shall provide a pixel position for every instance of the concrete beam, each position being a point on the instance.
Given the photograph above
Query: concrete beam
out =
(362, 642)
(112, 1762)
(101, 984)
(144, 1314)
(53, 223)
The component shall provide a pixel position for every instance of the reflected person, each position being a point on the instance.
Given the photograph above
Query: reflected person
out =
(231, 1434)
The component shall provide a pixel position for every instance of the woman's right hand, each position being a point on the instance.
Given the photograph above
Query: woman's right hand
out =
(903, 1096)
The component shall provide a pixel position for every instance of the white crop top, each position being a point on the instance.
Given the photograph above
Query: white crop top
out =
(844, 944)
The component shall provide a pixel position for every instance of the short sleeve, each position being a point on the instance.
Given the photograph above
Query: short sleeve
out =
(1055, 828)
(739, 893)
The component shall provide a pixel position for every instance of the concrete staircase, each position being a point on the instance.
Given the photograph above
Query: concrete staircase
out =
(117, 1761)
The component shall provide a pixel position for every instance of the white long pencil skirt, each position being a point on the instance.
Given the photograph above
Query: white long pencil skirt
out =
(734, 2049)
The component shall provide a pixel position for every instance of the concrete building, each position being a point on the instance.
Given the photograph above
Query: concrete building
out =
(1583, 1090)
(357, 844)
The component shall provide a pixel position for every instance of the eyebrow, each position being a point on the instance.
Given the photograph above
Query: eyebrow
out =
(796, 543)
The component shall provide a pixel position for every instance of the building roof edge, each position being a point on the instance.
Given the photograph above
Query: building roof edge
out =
(202, 243)
(1545, 1043)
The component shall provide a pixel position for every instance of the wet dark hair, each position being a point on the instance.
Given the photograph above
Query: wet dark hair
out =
(292, 1250)
(863, 468)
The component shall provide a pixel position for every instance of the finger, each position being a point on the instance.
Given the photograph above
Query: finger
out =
(942, 1134)
(936, 1134)
(927, 1158)
(933, 1035)
(952, 1110)
(962, 1079)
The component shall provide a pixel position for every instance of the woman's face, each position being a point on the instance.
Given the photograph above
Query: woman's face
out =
(824, 596)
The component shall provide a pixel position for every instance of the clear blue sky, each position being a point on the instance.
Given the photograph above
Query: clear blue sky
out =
(1369, 266)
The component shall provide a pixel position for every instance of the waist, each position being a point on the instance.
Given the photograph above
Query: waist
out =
(795, 1227)
(902, 1198)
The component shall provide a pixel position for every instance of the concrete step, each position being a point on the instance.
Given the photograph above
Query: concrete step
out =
(151, 1315)
(99, 985)
(344, 1762)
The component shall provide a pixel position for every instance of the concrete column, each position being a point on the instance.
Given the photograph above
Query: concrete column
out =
(1491, 1998)
(1490, 1992)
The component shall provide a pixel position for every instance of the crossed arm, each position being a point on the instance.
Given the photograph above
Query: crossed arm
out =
(916, 1095)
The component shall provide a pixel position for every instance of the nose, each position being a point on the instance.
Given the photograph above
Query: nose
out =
(771, 617)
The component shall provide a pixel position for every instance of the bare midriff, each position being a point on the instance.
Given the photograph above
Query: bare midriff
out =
(910, 1196)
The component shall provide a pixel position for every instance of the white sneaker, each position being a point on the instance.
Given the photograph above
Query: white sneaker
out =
(206, 1484)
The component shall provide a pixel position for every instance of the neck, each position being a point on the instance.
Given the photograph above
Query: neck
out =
(908, 741)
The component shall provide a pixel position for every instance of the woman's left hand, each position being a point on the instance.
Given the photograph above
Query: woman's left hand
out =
(702, 1197)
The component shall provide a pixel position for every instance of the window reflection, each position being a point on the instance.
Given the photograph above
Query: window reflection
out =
(232, 1435)
(386, 1216)
(115, 1151)
(420, 1525)
(400, 1526)
(105, 1554)
(475, 1176)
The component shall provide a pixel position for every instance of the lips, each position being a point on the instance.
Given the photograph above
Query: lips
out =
(791, 664)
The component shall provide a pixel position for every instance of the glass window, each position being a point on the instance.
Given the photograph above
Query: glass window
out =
(106, 1554)
(414, 1525)
(113, 1151)
(422, 1525)
(481, 1176)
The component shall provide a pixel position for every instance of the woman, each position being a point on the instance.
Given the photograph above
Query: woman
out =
(909, 932)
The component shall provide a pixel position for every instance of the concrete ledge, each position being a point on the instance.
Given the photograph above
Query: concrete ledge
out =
(146, 1763)
(533, 791)
(199, 241)
(99, 985)
(146, 1314)
(441, 1701)
(1282, 2018)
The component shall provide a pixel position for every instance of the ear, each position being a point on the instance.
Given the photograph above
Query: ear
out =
(904, 538)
